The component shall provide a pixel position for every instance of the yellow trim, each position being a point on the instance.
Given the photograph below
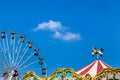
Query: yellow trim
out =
(64, 70)
(29, 74)
(113, 71)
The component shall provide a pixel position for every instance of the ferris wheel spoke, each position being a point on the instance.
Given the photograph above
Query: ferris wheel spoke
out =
(9, 55)
(26, 60)
(17, 47)
(4, 48)
(2, 68)
(14, 51)
(18, 52)
(5, 66)
(28, 65)
(4, 52)
(6, 60)
(4, 57)
(11, 49)
(24, 51)
(28, 46)
(1, 48)
(4, 45)
(12, 46)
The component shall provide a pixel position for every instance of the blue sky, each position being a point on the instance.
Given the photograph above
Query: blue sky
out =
(66, 30)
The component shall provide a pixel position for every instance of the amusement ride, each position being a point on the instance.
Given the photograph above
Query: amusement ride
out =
(21, 59)
(18, 55)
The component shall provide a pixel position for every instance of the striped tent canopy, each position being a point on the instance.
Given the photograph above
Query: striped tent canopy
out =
(94, 68)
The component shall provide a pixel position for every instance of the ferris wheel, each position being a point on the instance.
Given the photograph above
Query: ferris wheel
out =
(19, 54)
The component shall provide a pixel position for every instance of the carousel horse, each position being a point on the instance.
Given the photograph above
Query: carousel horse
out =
(95, 51)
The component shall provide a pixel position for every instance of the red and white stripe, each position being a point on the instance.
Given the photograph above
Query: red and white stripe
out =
(93, 69)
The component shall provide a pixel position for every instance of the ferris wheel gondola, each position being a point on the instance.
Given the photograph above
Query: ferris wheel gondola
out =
(19, 54)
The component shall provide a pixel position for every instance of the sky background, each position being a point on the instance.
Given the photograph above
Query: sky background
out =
(66, 30)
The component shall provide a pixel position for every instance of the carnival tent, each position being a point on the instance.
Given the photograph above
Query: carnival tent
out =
(94, 68)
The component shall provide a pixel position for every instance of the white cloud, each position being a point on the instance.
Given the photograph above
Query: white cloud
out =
(51, 25)
(68, 36)
(59, 32)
